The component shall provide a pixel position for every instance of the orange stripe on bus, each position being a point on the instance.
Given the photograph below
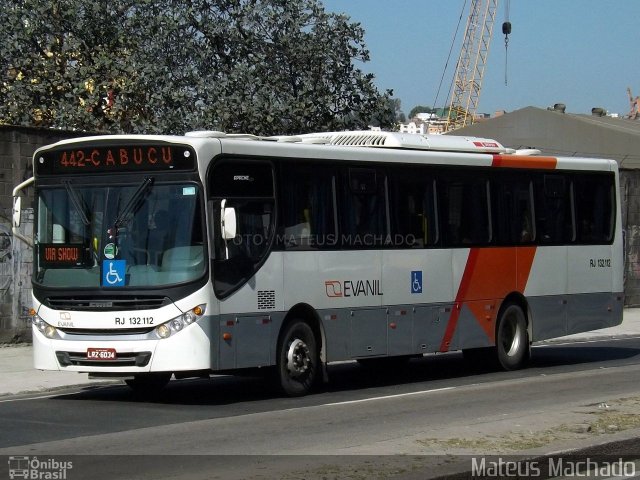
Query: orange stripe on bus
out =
(489, 276)
(462, 290)
(522, 161)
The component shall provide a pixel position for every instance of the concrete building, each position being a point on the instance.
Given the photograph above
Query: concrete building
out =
(424, 123)
(413, 127)
(563, 134)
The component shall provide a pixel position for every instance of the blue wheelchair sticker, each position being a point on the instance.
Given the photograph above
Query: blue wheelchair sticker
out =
(416, 281)
(113, 273)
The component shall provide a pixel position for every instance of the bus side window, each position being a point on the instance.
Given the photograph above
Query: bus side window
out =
(465, 210)
(594, 196)
(246, 186)
(413, 208)
(554, 215)
(307, 207)
(363, 209)
(513, 207)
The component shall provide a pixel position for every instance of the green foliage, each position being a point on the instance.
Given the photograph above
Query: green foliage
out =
(167, 66)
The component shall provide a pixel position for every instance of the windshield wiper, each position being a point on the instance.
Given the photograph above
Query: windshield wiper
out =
(133, 201)
(77, 202)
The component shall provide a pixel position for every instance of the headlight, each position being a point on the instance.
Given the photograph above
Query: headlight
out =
(176, 324)
(47, 330)
(163, 331)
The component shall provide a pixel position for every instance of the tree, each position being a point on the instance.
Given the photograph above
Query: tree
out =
(55, 63)
(399, 115)
(145, 66)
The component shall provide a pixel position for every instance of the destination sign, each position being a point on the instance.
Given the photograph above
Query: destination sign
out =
(121, 158)
(59, 255)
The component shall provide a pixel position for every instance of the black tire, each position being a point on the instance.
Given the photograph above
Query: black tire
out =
(148, 384)
(512, 338)
(298, 361)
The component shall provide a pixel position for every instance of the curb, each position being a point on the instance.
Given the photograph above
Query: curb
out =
(587, 338)
(52, 391)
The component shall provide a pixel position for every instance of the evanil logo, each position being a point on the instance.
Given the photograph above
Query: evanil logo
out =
(352, 288)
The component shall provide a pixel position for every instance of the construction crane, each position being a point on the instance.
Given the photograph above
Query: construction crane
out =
(467, 82)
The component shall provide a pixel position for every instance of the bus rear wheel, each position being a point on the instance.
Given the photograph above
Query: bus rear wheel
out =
(298, 360)
(512, 338)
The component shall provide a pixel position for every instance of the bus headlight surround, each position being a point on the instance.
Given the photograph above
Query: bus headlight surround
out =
(177, 324)
(50, 331)
(189, 317)
(47, 330)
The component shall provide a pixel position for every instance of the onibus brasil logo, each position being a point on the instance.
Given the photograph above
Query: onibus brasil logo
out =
(38, 469)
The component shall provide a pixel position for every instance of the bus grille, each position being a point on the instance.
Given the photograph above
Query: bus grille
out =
(79, 359)
(106, 332)
(107, 304)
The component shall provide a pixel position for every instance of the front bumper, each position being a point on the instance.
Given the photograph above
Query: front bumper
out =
(187, 350)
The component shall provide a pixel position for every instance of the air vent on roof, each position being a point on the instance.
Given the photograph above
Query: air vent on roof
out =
(558, 107)
(359, 139)
(412, 141)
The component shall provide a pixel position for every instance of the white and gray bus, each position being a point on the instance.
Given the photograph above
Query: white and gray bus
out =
(187, 255)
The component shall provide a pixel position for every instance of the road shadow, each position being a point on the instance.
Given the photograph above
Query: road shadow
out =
(349, 378)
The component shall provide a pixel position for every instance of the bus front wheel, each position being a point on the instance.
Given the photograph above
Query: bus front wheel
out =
(512, 339)
(298, 360)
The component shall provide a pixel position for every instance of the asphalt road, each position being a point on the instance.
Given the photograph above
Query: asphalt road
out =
(362, 424)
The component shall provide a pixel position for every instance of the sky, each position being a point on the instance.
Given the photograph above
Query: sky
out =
(583, 53)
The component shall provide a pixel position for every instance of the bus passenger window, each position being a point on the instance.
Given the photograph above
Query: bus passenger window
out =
(307, 208)
(465, 210)
(362, 207)
(594, 196)
(413, 209)
(513, 207)
(554, 216)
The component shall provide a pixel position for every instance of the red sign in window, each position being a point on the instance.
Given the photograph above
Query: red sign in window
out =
(61, 255)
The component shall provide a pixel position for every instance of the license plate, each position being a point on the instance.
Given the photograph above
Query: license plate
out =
(101, 354)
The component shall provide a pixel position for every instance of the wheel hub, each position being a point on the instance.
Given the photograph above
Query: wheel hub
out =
(298, 358)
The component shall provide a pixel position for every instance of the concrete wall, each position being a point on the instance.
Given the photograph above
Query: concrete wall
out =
(630, 190)
(17, 145)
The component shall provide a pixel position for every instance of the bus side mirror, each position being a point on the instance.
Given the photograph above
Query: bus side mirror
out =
(17, 209)
(227, 221)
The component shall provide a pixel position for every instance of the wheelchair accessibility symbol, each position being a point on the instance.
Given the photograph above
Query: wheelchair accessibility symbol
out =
(416, 281)
(113, 273)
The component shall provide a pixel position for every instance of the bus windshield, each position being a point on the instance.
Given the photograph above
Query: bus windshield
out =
(118, 236)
